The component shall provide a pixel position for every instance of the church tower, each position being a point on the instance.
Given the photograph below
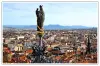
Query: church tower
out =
(88, 49)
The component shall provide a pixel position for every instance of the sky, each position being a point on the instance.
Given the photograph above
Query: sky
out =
(60, 13)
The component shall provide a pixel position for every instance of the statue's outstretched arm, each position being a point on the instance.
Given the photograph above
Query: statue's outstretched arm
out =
(37, 12)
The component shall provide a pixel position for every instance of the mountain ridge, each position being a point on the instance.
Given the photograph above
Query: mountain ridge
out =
(47, 26)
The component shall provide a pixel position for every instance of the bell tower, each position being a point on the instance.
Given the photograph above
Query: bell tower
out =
(88, 49)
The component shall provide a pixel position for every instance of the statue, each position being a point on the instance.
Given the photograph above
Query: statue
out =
(40, 18)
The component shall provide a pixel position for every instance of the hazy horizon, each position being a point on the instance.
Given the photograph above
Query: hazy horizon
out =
(51, 24)
(64, 14)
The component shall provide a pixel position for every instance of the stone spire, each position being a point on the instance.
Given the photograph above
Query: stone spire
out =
(88, 50)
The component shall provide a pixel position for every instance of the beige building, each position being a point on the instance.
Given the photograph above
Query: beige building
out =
(18, 47)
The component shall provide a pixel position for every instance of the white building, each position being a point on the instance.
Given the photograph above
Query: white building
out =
(20, 37)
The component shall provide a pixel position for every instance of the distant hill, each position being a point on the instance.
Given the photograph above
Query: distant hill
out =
(47, 27)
